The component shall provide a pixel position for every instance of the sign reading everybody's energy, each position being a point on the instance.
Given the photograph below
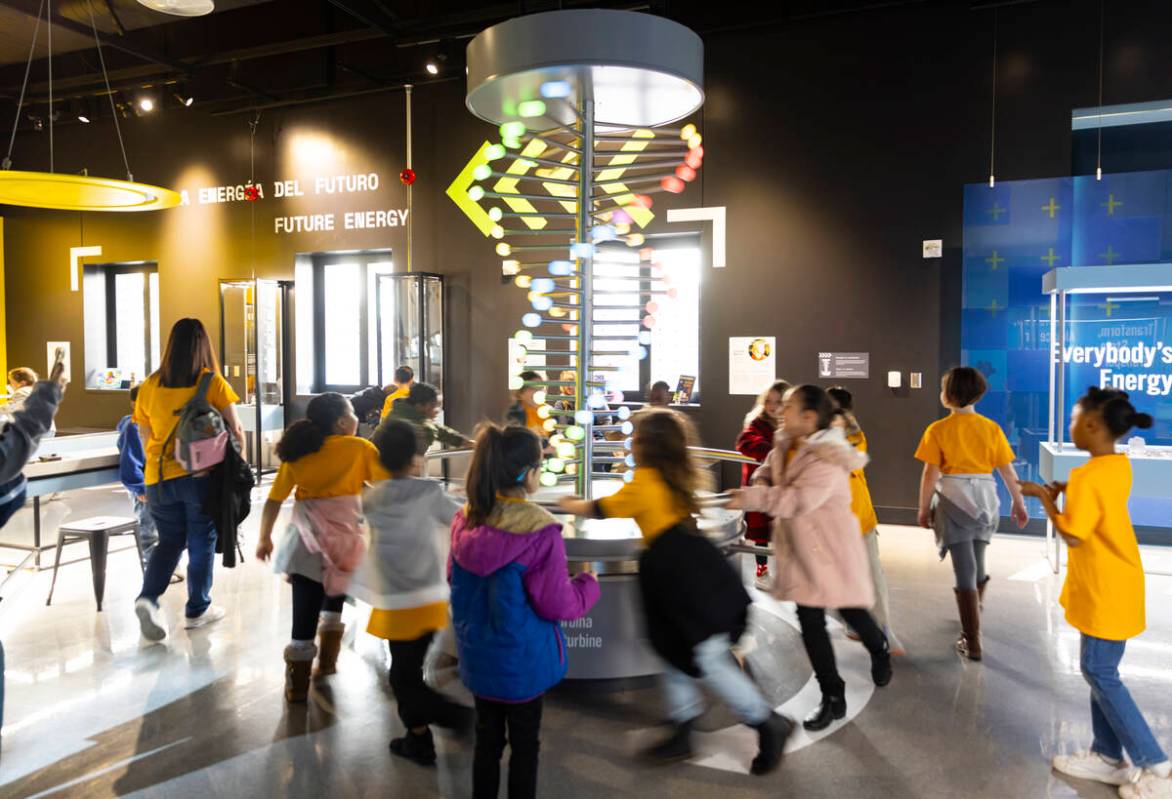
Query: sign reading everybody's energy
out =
(1131, 355)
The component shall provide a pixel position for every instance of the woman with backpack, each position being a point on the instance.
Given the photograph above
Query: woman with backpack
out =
(188, 387)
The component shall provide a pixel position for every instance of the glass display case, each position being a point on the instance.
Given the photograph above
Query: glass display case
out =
(253, 351)
(409, 309)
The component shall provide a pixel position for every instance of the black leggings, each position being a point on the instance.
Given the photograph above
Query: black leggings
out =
(309, 600)
(523, 722)
(820, 651)
(418, 704)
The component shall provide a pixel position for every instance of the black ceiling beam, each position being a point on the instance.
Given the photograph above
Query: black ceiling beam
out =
(141, 53)
(363, 15)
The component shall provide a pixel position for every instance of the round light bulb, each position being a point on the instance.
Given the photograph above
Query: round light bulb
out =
(688, 131)
(539, 397)
(693, 160)
(555, 465)
(531, 320)
(522, 281)
(523, 337)
(497, 232)
(503, 249)
(628, 476)
(575, 433)
(512, 144)
(685, 173)
(542, 303)
(495, 151)
(559, 313)
(646, 254)
(582, 249)
(583, 417)
(636, 240)
(549, 425)
(644, 337)
(512, 130)
(644, 200)
(482, 172)
(561, 268)
(602, 233)
(552, 89)
(510, 267)
(694, 140)
(543, 285)
(649, 321)
(566, 451)
(626, 428)
(549, 479)
(495, 213)
(531, 108)
(476, 194)
(624, 413)
(622, 228)
(620, 217)
(672, 184)
(630, 461)
(651, 307)
(516, 383)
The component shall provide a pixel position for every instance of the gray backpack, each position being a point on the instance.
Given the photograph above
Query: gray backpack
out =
(200, 435)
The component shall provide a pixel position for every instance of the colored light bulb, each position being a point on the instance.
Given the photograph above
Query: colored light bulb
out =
(555, 465)
(495, 151)
(566, 450)
(644, 337)
(495, 214)
(558, 313)
(694, 140)
(549, 479)
(630, 461)
(476, 194)
(531, 320)
(510, 267)
(583, 417)
(523, 337)
(672, 184)
(620, 217)
(482, 172)
(597, 401)
(516, 383)
(556, 89)
(539, 397)
(649, 321)
(503, 249)
(643, 201)
(531, 108)
(646, 254)
(651, 307)
(561, 268)
(694, 159)
(696, 151)
(512, 144)
(543, 285)
(575, 433)
(541, 303)
(688, 131)
(622, 228)
(523, 281)
(624, 413)
(497, 232)
(628, 476)
(602, 233)
(673, 292)
(581, 249)
(549, 425)
(636, 240)
(512, 130)
(685, 173)
(544, 412)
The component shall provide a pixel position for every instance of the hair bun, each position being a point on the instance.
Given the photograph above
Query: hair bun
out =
(1141, 420)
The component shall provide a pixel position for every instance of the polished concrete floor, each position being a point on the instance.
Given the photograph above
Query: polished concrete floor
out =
(93, 712)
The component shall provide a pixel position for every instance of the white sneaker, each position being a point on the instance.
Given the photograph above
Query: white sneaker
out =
(213, 614)
(1146, 784)
(1092, 766)
(150, 620)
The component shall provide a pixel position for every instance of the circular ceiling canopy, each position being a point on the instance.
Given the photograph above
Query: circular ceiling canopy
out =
(82, 193)
(180, 8)
(640, 70)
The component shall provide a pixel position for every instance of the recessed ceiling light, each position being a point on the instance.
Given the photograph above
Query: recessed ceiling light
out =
(432, 68)
(83, 118)
(187, 101)
(146, 104)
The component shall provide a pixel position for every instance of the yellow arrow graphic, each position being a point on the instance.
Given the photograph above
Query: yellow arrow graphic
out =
(458, 191)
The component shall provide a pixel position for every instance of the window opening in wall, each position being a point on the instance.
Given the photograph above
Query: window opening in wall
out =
(120, 310)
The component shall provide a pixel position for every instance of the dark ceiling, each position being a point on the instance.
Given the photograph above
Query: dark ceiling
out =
(257, 54)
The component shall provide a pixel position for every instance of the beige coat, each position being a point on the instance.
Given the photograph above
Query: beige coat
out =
(821, 559)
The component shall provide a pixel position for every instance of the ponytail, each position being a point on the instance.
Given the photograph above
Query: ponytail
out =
(308, 435)
(501, 461)
(1115, 409)
(813, 398)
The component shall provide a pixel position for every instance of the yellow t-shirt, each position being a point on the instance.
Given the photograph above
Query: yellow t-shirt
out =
(157, 406)
(408, 624)
(1104, 590)
(338, 469)
(399, 393)
(861, 505)
(648, 500)
(965, 443)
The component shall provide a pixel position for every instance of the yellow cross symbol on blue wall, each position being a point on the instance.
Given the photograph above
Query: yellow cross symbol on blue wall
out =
(996, 211)
(1111, 204)
(1050, 257)
(1110, 255)
(1051, 207)
(994, 261)
(1110, 306)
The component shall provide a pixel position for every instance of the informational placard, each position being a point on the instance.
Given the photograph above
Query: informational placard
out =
(752, 364)
(844, 365)
(684, 389)
(51, 356)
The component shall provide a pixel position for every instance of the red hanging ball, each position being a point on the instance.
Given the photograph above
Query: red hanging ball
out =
(251, 193)
(407, 177)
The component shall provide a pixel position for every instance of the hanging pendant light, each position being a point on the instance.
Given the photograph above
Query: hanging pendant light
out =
(993, 110)
(1099, 131)
(68, 192)
(180, 8)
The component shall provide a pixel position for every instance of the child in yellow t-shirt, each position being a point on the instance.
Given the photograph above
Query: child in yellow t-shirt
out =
(958, 495)
(693, 601)
(1104, 594)
(328, 465)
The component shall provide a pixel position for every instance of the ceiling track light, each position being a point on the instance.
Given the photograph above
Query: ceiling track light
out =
(1099, 132)
(993, 110)
(146, 104)
(432, 68)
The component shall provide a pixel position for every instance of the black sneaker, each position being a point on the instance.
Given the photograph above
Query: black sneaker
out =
(418, 748)
(881, 668)
(831, 710)
(676, 747)
(771, 735)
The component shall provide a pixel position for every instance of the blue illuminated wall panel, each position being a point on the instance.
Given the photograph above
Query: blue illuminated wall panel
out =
(1013, 234)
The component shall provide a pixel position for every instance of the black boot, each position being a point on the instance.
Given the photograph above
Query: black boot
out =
(419, 748)
(676, 747)
(832, 709)
(771, 735)
(881, 667)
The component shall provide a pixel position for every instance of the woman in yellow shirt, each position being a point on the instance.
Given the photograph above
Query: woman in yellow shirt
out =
(1104, 594)
(329, 466)
(958, 495)
(175, 498)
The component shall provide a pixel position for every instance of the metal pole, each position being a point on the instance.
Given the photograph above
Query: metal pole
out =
(586, 275)
(1060, 408)
(410, 188)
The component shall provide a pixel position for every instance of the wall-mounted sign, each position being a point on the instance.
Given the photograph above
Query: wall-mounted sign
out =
(684, 389)
(752, 364)
(845, 365)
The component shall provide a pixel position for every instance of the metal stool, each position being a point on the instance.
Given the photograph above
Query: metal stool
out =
(97, 531)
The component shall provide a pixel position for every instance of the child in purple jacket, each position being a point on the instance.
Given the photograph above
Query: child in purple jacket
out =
(510, 590)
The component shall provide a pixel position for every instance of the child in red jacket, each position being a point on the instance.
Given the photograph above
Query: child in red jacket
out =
(755, 442)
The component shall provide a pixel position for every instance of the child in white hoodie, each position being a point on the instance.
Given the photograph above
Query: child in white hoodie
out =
(404, 579)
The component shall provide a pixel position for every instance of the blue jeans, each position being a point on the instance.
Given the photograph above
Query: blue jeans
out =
(719, 671)
(177, 507)
(1115, 719)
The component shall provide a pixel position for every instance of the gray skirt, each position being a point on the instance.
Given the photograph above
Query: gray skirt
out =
(965, 508)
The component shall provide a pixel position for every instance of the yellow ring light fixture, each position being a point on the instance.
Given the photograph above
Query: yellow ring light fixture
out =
(82, 193)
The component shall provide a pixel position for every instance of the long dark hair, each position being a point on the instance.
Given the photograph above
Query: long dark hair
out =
(188, 353)
(814, 398)
(1115, 409)
(501, 461)
(306, 436)
(844, 403)
(661, 443)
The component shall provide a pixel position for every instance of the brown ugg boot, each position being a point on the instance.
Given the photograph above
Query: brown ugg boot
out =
(329, 644)
(298, 663)
(969, 605)
(981, 586)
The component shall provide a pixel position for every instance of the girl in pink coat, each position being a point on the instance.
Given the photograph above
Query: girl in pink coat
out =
(804, 485)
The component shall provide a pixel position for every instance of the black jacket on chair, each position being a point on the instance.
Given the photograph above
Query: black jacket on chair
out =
(229, 500)
(690, 593)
